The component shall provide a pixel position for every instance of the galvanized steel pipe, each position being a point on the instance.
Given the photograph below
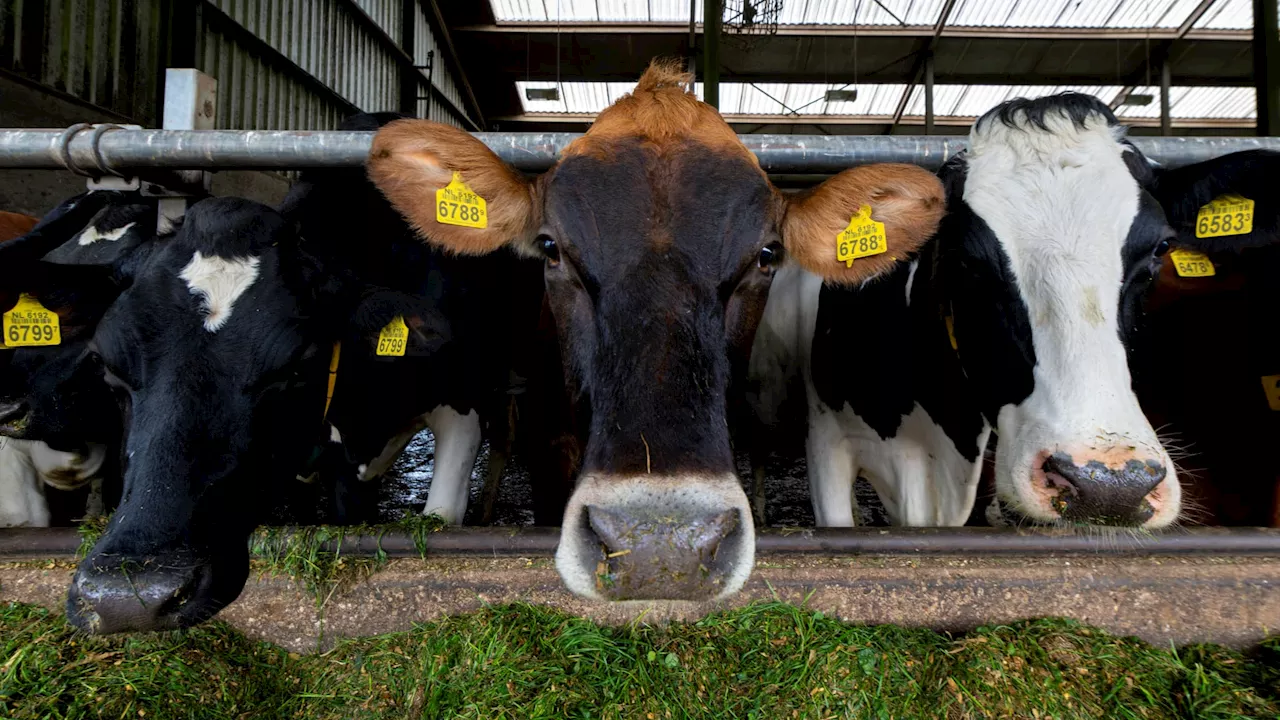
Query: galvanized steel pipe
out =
(52, 543)
(291, 149)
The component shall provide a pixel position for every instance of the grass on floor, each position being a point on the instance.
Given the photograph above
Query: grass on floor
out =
(763, 661)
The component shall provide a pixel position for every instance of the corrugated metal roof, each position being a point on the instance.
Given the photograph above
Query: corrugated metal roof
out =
(783, 99)
(1224, 14)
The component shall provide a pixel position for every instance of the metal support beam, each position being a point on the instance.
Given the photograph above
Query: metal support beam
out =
(408, 74)
(1166, 110)
(693, 39)
(280, 149)
(928, 94)
(712, 12)
(1266, 65)
(926, 54)
(436, 21)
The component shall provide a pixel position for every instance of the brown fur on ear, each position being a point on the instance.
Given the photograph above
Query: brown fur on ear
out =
(907, 199)
(411, 159)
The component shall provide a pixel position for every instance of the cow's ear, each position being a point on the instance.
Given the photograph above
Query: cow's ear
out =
(1186, 191)
(906, 199)
(413, 159)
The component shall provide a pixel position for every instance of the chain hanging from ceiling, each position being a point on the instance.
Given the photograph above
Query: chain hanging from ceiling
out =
(746, 22)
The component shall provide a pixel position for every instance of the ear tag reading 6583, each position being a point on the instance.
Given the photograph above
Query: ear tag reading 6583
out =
(1225, 215)
(457, 204)
(864, 237)
(30, 324)
(393, 338)
(1192, 264)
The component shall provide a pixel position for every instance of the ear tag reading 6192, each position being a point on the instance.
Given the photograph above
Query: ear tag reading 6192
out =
(30, 324)
(394, 338)
(1225, 215)
(864, 237)
(457, 204)
(1192, 264)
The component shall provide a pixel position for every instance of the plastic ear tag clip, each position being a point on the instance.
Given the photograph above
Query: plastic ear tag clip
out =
(457, 204)
(30, 324)
(393, 339)
(864, 237)
(1225, 215)
(1192, 264)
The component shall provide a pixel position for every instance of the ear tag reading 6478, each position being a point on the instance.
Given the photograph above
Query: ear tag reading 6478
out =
(457, 204)
(30, 324)
(1192, 264)
(1225, 215)
(864, 237)
(393, 338)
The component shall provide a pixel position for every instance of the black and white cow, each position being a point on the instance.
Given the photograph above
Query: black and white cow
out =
(454, 369)
(1016, 317)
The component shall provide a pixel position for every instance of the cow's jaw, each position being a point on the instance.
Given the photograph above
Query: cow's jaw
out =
(1061, 202)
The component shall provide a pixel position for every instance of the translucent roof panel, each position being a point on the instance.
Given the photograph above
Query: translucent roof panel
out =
(807, 99)
(1223, 14)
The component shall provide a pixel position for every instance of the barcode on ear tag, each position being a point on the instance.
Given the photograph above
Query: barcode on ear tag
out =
(393, 339)
(30, 324)
(862, 238)
(457, 204)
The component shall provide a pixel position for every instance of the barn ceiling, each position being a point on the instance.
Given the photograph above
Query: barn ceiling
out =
(984, 51)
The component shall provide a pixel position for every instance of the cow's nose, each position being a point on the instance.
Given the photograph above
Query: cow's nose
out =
(1095, 493)
(650, 559)
(129, 596)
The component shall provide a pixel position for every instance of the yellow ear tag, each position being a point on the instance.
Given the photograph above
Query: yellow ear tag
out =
(1271, 386)
(457, 204)
(864, 237)
(393, 338)
(1225, 215)
(951, 331)
(30, 324)
(1190, 263)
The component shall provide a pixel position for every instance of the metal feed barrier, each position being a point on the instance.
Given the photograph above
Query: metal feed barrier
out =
(114, 150)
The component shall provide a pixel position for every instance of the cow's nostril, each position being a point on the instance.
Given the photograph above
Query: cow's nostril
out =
(659, 558)
(1096, 493)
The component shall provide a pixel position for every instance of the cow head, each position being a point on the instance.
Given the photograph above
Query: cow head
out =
(1051, 241)
(660, 234)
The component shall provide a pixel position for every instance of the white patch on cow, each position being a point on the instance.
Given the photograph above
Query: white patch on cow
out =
(1061, 202)
(335, 436)
(911, 278)
(219, 282)
(457, 442)
(362, 470)
(22, 502)
(67, 470)
(776, 351)
(93, 234)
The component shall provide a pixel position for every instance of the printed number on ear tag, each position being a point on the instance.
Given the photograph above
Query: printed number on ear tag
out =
(1271, 386)
(864, 237)
(393, 338)
(1225, 215)
(30, 324)
(1190, 263)
(457, 204)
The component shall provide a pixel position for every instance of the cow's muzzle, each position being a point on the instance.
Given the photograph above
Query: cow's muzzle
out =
(112, 594)
(657, 538)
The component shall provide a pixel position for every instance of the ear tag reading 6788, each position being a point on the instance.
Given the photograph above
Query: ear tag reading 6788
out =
(30, 324)
(457, 204)
(864, 237)
(394, 338)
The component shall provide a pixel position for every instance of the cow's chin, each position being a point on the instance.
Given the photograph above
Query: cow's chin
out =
(116, 593)
(1031, 490)
(650, 537)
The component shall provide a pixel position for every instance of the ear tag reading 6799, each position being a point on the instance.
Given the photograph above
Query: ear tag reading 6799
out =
(1226, 215)
(457, 204)
(394, 338)
(30, 324)
(864, 237)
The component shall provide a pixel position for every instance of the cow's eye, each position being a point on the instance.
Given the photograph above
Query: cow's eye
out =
(550, 250)
(770, 256)
(1162, 247)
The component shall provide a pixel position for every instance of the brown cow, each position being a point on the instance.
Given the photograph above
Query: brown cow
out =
(14, 225)
(661, 234)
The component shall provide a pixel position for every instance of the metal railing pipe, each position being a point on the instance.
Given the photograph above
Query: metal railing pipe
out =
(126, 149)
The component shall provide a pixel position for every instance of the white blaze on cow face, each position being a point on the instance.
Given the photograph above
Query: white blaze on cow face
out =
(93, 234)
(1060, 201)
(219, 282)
